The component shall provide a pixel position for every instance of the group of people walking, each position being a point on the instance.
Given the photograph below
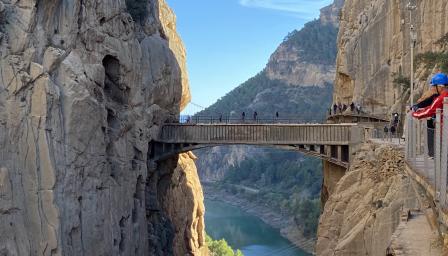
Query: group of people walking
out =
(341, 108)
(428, 104)
(255, 116)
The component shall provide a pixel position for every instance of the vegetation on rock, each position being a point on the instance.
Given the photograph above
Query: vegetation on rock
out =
(316, 41)
(220, 248)
(401, 80)
(432, 60)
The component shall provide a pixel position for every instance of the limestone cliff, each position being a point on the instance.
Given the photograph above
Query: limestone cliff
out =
(374, 44)
(84, 86)
(361, 215)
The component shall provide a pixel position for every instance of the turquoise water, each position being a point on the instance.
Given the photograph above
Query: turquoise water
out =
(246, 232)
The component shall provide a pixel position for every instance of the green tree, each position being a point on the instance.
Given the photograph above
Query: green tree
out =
(220, 248)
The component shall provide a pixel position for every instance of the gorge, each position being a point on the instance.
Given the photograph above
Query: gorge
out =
(86, 87)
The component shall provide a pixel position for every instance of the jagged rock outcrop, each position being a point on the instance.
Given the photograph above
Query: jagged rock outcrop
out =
(183, 203)
(84, 87)
(361, 215)
(168, 20)
(374, 44)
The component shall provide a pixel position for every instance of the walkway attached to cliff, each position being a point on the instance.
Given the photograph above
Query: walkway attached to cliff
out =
(430, 172)
(332, 142)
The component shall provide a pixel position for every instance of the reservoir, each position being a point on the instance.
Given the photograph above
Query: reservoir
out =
(246, 232)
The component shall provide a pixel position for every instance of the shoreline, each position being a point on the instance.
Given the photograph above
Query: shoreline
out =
(277, 220)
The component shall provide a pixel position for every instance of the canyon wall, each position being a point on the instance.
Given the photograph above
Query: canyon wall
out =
(362, 213)
(85, 85)
(374, 48)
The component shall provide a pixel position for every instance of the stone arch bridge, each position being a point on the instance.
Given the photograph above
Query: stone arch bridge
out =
(331, 142)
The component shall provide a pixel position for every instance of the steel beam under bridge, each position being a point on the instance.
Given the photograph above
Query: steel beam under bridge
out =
(332, 142)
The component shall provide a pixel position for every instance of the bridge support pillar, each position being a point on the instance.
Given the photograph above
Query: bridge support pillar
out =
(332, 173)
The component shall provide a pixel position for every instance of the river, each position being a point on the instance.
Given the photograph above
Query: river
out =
(246, 232)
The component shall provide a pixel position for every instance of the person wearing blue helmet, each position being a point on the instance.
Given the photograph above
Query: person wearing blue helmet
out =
(438, 84)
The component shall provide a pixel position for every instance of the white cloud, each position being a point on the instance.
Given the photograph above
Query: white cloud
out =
(308, 8)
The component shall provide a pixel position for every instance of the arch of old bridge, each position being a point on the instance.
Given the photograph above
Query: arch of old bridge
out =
(332, 142)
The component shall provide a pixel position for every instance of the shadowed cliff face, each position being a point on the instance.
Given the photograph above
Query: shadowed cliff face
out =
(374, 44)
(83, 91)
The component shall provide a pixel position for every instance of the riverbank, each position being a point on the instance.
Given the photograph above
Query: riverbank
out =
(278, 220)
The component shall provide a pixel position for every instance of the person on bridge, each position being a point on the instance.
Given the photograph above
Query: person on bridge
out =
(255, 115)
(243, 116)
(425, 110)
(335, 109)
(352, 107)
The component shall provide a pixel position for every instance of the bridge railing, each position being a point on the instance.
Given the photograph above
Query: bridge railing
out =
(418, 139)
(277, 134)
(225, 119)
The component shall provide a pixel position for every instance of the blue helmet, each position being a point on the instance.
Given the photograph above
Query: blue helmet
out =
(439, 79)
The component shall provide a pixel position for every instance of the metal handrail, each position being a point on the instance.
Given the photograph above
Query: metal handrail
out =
(185, 119)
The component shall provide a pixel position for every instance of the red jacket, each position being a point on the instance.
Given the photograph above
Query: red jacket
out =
(431, 110)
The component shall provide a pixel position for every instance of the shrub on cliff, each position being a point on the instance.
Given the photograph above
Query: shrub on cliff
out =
(431, 60)
(138, 9)
(220, 248)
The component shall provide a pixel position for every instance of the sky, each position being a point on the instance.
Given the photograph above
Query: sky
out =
(230, 41)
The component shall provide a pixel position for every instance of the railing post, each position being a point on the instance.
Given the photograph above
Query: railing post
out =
(408, 121)
(411, 128)
(437, 153)
(425, 144)
(444, 157)
(418, 134)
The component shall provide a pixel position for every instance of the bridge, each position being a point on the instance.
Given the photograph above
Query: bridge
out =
(332, 142)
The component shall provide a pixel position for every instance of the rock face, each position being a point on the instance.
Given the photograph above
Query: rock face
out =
(84, 87)
(374, 43)
(361, 215)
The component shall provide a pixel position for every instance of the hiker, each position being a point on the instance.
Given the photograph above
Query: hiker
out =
(352, 107)
(393, 130)
(335, 109)
(386, 131)
(340, 107)
(425, 109)
(344, 107)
